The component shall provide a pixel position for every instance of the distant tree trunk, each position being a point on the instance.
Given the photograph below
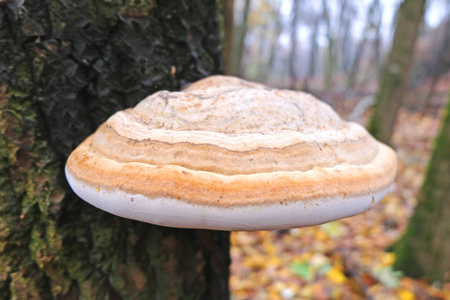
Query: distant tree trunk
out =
(261, 61)
(424, 249)
(373, 18)
(356, 60)
(239, 41)
(228, 24)
(292, 60)
(330, 61)
(278, 27)
(65, 66)
(345, 31)
(394, 78)
(341, 31)
(377, 43)
(312, 55)
(441, 64)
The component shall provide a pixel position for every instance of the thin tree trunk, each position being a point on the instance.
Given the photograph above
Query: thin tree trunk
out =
(377, 43)
(424, 250)
(441, 65)
(347, 43)
(330, 61)
(65, 67)
(394, 79)
(240, 41)
(278, 28)
(292, 60)
(342, 30)
(370, 25)
(312, 55)
(228, 24)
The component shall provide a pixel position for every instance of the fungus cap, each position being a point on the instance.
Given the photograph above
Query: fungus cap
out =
(230, 154)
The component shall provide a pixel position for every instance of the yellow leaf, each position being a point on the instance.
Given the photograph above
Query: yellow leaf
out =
(405, 295)
(336, 276)
(274, 261)
(388, 259)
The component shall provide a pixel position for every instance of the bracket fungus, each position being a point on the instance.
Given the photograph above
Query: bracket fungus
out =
(229, 154)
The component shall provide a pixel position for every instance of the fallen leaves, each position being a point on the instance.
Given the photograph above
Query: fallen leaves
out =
(344, 259)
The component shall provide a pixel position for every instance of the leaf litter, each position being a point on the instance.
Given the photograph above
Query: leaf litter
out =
(348, 258)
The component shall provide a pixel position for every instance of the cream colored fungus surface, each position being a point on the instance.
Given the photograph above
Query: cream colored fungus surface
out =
(233, 144)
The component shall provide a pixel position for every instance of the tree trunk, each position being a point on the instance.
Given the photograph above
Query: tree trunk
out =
(373, 23)
(441, 64)
(394, 78)
(424, 250)
(312, 55)
(278, 28)
(292, 60)
(228, 24)
(65, 66)
(330, 61)
(239, 41)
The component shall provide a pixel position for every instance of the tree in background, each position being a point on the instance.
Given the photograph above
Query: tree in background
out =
(65, 66)
(292, 59)
(239, 41)
(312, 55)
(441, 63)
(394, 78)
(344, 43)
(424, 250)
(228, 26)
(373, 24)
(273, 41)
(330, 61)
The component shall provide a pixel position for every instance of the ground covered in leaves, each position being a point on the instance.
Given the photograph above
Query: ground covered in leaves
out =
(349, 258)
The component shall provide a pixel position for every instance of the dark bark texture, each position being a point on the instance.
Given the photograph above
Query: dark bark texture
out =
(66, 66)
(424, 250)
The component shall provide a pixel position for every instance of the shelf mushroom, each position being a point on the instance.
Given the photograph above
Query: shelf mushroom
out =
(229, 154)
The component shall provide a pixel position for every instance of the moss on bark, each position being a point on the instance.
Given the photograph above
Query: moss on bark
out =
(394, 78)
(65, 66)
(424, 250)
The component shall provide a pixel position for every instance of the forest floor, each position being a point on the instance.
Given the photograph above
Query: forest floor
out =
(349, 258)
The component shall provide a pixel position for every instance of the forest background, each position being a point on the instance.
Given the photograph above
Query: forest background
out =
(340, 51)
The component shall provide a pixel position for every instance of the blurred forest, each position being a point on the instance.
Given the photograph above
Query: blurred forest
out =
(335, 47)
(352, 54)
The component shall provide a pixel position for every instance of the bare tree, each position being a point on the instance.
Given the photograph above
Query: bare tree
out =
(239, 41)
(346, 16)
(292, 60)
(330, 60)
(312, 54)
(441, 63)
(228, 25)
(373, 23)
(394, 78)
(378, 18)
(277, 29)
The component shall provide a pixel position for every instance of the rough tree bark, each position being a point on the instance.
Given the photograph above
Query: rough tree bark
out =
(394, 78)
(65, 66)
(424, 250)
